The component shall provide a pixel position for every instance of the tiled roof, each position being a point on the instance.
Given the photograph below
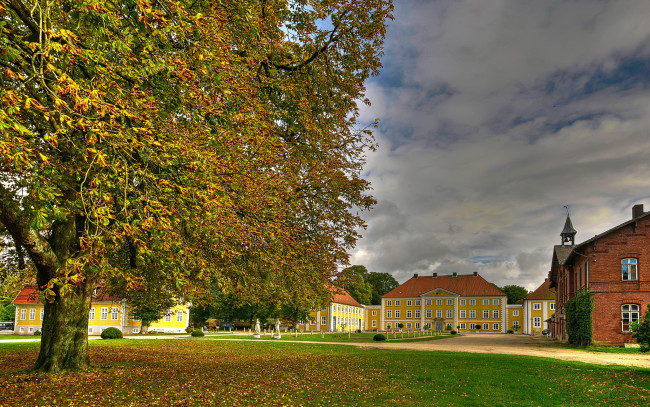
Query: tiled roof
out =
(562, 253)
(468, 285)
(543, 292)
(340, 296)
(30, 295)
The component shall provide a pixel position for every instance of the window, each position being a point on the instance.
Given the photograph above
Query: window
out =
(495, 314)
(417, 325)
(495, 327)
(438, 302)
(463, 314)
(628, 269)
(486, 314)
(486, 327)
(417, 313)
(31, 329)
(462, 325)
(472, 326)
(408, 325)
(537, 306)
(136, 330)
(428, 313)
(462, 302)
(22, 329)
(472, 302)
(450, 314)
(179, 316)
(23, 314)
(515, 324)
(409, 314)
(323, 320)
(32, 314)
(450, 302)
(374, 323)
(537, 322)
(389, 303)
(397, 303)
(629, 313)
(397, 313)
(374, 313)
(168, 316)
(409, 303)
(438, 313)
(104, 314)
(389, 314)
(417, 303)
(387, 325)
(515, 313)
(486, 301)
(90, 330)
(429, 302)
(472, 314)
(91, 314)
(114, 313)
(495, 301)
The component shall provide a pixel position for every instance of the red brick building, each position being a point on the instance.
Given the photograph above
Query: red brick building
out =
(615, 267)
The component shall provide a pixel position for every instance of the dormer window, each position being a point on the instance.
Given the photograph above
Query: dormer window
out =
(629, 269)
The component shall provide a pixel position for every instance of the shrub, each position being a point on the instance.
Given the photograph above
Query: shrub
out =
(379, 337)
(578, 318)
(477, 327)
(400, 325)
(510, 331)
(358, 331)
(453, 332)
(111, 333)
(197, 332)
(641, 331)
(189, 329)
(37, 333)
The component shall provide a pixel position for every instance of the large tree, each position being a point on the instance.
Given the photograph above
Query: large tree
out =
(198, 145)
(381, 283)
(514, 293)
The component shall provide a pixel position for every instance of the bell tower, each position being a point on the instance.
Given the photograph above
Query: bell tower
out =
(568, 233)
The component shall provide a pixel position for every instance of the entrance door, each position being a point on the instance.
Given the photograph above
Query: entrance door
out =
(438, 326)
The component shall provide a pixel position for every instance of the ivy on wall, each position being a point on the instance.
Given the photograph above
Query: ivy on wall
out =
(578, 318)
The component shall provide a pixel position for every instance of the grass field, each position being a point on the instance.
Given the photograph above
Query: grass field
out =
(196, 372)
(340, 337)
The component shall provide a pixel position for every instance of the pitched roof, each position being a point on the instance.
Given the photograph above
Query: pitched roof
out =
(467, 285)
(340, 296)
(543, 292)
(614, 229)
(30, 295)
(562, 253)
(568, 227)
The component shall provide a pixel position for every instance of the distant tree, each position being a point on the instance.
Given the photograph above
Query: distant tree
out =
(381, 283)
(514, 293)
(353, 280)
(7, 311)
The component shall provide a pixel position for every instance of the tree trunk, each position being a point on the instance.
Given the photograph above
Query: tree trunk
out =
(64, 340)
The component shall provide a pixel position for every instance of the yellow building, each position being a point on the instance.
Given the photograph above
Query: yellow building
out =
(105, 311)
(539, 306)
(342, 313)
(515, 317)
(445, 302)
(372, 317)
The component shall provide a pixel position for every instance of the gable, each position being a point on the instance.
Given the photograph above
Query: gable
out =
(438, 292)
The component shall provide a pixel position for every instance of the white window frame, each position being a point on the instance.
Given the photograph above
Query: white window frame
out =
(463, 314)
(409, 303)
(428, 313)
(374, 313)
(409, 314)
(495, 301)
(179, 316)
(438, 302)
(388, 325)
(168, 316)
(632, 311)
(450, 314)
(417, 313)
(32, 314)
(417, 303)
(472, 314)
(104, 314)
(515, 312)
(408, 325)
(397, 313)
(450, 302)
(374, 323)
(323, 320)
(115, 313)
(486, 302)
(537, 322)
(398, 303)
(629, 269)
(91, 314)
(495, 327)
(42, 313)
(472, 302)
(462, 325)
(389, 313)
(472, 326)
(389, 303)
(136, 330)
(438, 313)
(551, 306)
(23, 314)
(486, 314)
(429, 303)
(486, 326)
(515, 323)
(537, 306)
(495, 314)
(417, 325)
(462, 303)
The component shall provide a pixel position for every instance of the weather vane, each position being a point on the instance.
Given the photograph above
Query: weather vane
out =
(567, 209)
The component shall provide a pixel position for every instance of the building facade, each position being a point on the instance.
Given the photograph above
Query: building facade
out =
(443, 303)
(343, 313)
(538, 308)
(615, 267)
(105, 311)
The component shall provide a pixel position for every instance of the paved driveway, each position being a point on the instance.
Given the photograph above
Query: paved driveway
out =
(518, 345)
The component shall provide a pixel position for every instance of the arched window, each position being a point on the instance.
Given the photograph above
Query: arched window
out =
(629, 269)
(629, 313)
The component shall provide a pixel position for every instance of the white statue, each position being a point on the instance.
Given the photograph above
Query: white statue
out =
(257, 329)
(277, 330)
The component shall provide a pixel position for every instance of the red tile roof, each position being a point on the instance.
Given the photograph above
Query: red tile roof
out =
(543, 292)
(467, 285)
(340, 296)
(30, 295)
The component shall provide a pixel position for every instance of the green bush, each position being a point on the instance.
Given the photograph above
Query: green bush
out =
(379, 337)
(510, 331)
(358, 331)
(641, 331)
(453, 332)
(37, 333)
(477, 327)
(197, 333)
(189, 329)
(578, 318)
(111, 333)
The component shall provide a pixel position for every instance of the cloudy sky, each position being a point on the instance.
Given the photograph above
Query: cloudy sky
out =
(494, 116)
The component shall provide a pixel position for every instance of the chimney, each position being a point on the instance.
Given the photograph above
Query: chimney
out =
(455, 275)
(415, 275)
(637, 210)
(435, 275)
(476, 274)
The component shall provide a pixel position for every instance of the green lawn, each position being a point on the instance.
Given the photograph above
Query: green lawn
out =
(206, 373)
(342, 337)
